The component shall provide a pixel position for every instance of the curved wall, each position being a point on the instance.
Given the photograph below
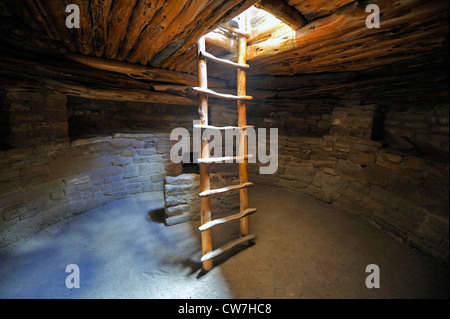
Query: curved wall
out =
(327, 152)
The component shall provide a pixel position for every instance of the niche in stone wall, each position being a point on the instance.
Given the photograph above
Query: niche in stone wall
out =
(89, 117)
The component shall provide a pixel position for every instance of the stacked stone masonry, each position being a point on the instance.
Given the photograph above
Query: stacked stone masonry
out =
(397, 180)
(396, 189)
(51, 183)
(182, 202)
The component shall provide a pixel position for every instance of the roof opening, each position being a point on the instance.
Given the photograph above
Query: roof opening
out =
(259, 24)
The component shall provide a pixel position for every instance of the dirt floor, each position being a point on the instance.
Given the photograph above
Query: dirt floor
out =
(303, 249)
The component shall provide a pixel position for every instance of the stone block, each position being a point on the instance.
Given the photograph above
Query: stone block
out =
(106, 171)
(130, 171)
(177, 210)
(12, 198)
(128, 153)
(121, 143)
(13, 185)
(414, 212)
(18, 152)
(29, 214)
(94, 161)
(182, 179)
(362, 158)
(374, 175)
(402, 185)
(355, 191)
(67, 165)
(151, 168)
(385, 198)
(163, 149)
(118, 160)
(42, 202)
(9, 174)
(439, 225)
(134, 188)
(348, 167)
(414, 163)
(146, 152)
(13, 212)
(77, 180)
(58, 195)
(24, 96)
(342, 147)
(373, 205)
(157, 178)
(43, 189)
(403, 221)
(4, 225)
(301, 172)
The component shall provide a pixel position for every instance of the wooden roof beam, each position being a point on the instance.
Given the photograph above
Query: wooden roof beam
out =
(284, 12)
(222, 40)
(141, 72)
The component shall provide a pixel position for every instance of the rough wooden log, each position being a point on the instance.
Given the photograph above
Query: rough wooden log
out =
(169, 41)
(141, 18)
(16, 34)
(211, 160)
(223, 61)
(38, 11)
(227, 247)
(221, 40)
(284, 12)
(70, 88)
(118, 18)
(224, 220)
(314, 9)
(312, 48)
(214, 14)
(141, 72)
(243, 145)
(212, 127)
(100, 12)
(205, 181)
(66, 77)
(222, 95)
(223, 190)
(84, 33)
(235, 31)
(170, 14)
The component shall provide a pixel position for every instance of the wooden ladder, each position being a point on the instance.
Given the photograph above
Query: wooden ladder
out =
(205, 190)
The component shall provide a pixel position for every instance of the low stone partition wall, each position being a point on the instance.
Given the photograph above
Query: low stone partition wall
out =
(181, 199)
(42, 185)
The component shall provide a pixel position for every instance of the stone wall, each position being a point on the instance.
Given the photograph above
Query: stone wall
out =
(93, 117)
(183, 204)
(422, 130)
(33, 117)
(42, 185)
(402, 191)
(45, 178)
(397, 179)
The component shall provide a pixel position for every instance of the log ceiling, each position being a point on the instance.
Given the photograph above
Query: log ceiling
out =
(150, 42)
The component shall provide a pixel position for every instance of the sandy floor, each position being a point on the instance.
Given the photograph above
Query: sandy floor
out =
(304, 249)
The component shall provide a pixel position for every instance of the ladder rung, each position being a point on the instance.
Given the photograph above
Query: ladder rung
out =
(220, 221)
(221, 250)
(211, 57)
(235, 31)
(221, 95)
(203, 126)
(224, 189)
(210, 160)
